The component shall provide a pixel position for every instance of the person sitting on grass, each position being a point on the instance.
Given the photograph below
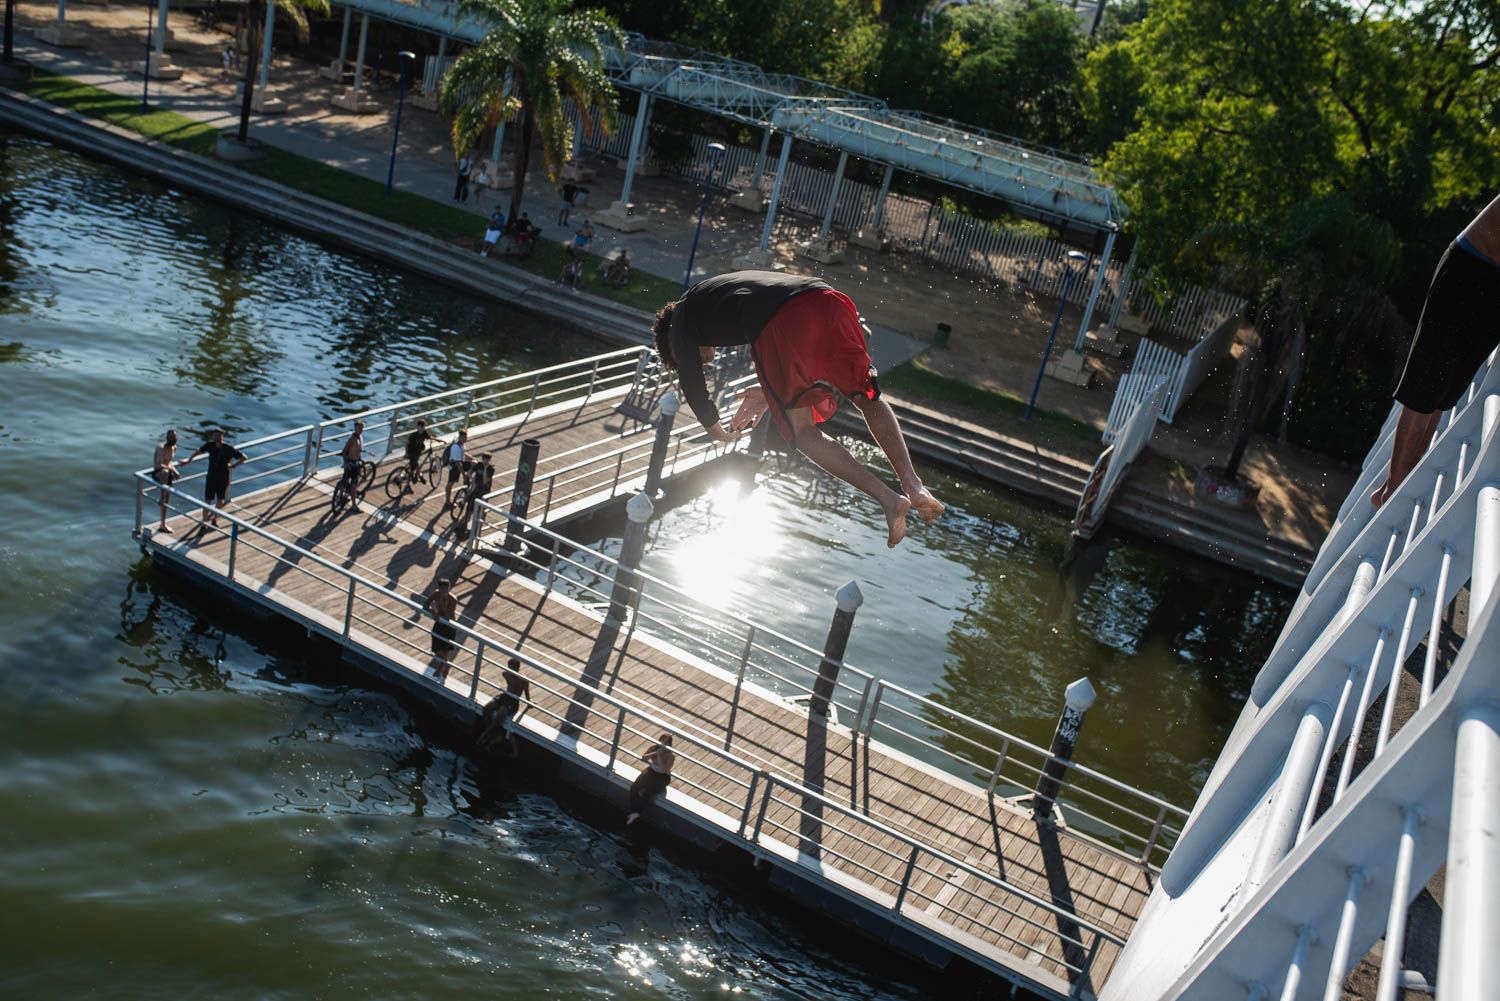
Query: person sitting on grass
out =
(572, 272)
(618, 271)
(493, 231)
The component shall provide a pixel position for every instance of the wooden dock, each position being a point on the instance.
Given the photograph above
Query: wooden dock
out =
(889, 816)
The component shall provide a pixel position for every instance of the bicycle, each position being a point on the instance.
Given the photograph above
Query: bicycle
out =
(400, 478)
(346, 492)
(475, 485)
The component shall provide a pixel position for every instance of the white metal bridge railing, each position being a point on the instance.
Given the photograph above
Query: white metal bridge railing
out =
(1368, 757)
(742, 800)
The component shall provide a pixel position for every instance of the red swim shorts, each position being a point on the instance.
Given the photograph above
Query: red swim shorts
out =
(812, 353)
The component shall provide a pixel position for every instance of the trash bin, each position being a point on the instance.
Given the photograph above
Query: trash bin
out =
(940, 339)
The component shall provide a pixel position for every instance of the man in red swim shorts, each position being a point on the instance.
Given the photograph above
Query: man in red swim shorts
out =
(809, 350)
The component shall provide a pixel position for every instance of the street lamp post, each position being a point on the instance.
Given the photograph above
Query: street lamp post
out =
(146, 69)
(1074, 257)
(407, 58)
(715, 157)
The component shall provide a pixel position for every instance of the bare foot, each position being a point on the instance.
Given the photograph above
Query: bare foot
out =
(895, 520)
(165, 528)
(928, 507)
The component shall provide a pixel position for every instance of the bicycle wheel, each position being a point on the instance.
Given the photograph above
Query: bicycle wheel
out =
(340, 497)
(463, 508)
(434, 466)
(366, 477)
(398, 482)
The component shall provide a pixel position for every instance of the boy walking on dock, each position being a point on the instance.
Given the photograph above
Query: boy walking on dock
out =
(222, 459)
(444, 608)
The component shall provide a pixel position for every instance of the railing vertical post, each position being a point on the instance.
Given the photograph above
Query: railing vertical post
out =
(765, 803)
(234, 539)
(390, 438)
(349, 608)
(478, 670)
(307, 451)
(669, 406)
(476, 525)
(1161, 818)
(619, 466)
(874, 709)
(317, 450)
(536, 384)
(739, 684)
(911, 865)
(676, 453)
(1083, 971)
(551, 486)
(749, 804)
(552, 565)
(614, 742)
(140, 502)
(593, 380)
(520, 498)
(468, 409)
(859, 711)
(999, 763)
(1077, 700)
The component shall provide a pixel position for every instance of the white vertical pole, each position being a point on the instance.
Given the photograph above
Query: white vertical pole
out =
(1395, 927)
(344, 38)
(642, 109)
(500, 127)
(442, 47)
(359, 56)
(265, 48)
(161, 28)
(1114, 312)
(1088, 310)
(1468, 962)
(833, 195)
(781, 160)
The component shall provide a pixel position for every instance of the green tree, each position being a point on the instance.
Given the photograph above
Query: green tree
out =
(538, 55)
(296, 11)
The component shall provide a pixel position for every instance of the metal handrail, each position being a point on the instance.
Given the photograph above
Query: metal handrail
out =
(765, 780)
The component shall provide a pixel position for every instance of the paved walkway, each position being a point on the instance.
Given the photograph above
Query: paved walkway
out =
(997, 341)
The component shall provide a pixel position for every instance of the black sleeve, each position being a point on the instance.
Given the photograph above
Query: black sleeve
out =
(690, 379)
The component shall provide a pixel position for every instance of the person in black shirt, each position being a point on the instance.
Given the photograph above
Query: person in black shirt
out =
(222, 457)
(809, 350)
(494, 723)
(416, 444)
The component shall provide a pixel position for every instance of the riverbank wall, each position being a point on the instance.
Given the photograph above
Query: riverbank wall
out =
(934, 437)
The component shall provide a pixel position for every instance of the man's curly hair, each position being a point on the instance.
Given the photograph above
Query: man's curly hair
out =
(662, 328)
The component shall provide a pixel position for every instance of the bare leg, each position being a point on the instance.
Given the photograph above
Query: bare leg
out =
(1414, 431)
(881, 420)
(835, 459)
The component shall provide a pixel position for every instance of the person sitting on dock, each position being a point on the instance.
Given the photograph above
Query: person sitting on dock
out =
(416, 444)
(1456, 333)
(654, 778)
(352, 453)
(164, 471)
(222, 458)
(453, 457)
(444, 608)
(617, 271)
(808, 347)
(496, 719)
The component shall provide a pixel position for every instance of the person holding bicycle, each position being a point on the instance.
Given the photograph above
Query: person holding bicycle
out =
(453, 457)
(416, 444)
(352, 454)
(479, 477)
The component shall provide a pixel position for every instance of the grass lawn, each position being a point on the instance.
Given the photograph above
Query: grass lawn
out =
(435, 218)
(1000, 411)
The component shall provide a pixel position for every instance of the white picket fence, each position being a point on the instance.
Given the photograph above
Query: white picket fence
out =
(1182, 373)
(1124, 444)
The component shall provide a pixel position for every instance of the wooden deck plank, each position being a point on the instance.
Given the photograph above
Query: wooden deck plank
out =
(406, 545)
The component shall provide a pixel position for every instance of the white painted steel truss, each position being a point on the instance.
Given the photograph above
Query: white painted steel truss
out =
(1048, 183)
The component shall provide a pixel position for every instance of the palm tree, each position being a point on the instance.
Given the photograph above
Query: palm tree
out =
(551, 54)
(297, 11)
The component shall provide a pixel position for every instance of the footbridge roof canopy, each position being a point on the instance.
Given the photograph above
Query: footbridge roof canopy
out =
(1045, 181)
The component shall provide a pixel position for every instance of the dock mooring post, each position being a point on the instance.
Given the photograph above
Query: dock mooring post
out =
(520, 498)
(668, 406)
(815, 755)
(847, 602)
(638, 511)
(1078, 699)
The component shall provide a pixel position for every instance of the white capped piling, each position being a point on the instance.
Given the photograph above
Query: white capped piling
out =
(847, 602)
(520, 497)
(1078, 699)
(668, 406)
(638, 511)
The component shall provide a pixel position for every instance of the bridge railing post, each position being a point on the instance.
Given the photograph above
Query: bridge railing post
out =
(739, 685)
(140, 503)
(234, 540)
(999, 764)
(307, 453)
(669, 406)
(749, 803)
(317, 450)
(765, 803)
(349, 608)
(911, 865)
(1077, 700)
(614, 741)
(390, 438)
(520, 497)
(1080, 981)
(593, 380)
(478, 670)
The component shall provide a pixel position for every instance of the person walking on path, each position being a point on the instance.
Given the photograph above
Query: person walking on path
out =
(222, 459)
(496, 720)
(1458, 329)
(461, 189)
(565, 207)
(353, 453)
(654, 778)
(444, 608)
(808, 347)
(164, 471)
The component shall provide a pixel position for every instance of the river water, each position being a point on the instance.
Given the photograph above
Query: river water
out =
(191, 807)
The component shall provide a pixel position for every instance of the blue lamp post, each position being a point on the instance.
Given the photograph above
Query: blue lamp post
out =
(1074, 257)
(407, 58)
(715, 157)
(146, 69)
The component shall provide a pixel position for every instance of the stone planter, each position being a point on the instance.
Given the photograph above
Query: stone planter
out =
(1238, 493)
(230, 148)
